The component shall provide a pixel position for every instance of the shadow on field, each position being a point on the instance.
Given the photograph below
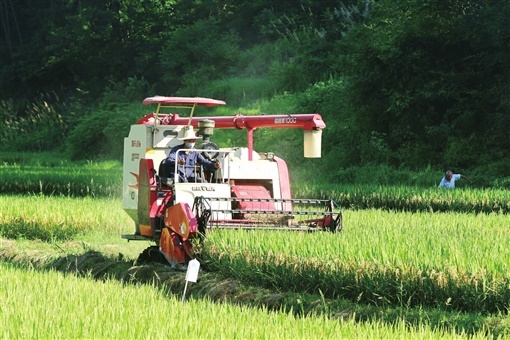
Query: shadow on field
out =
(96, 265)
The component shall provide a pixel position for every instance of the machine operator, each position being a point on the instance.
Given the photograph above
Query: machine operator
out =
(187, 160)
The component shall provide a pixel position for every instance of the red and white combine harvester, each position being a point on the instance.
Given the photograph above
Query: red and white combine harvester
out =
(250, 190)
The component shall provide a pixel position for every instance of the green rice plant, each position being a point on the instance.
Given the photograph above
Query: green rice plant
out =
(47, 174)
(67, 180)
(449, 260)
(108, 261)
(59, 218)
(36, 304)
(405, 198)
(452, 261)
(43, 158)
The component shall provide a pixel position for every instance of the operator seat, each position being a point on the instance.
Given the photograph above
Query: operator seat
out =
(165, 173)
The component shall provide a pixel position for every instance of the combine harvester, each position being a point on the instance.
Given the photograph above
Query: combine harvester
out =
(250, 190)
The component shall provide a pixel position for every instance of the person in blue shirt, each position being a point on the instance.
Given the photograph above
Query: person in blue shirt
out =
(450, 178)
(187, 160)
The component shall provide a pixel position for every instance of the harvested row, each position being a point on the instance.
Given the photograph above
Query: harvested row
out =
(450, 261)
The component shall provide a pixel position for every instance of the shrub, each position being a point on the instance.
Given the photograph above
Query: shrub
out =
(36, 125)
(101, 132)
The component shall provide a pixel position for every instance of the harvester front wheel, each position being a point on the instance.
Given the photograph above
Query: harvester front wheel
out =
(151, 255)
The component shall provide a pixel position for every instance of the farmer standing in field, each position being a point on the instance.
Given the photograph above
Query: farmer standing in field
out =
(449, 179)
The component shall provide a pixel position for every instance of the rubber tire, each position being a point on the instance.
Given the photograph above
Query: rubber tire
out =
(151, 255)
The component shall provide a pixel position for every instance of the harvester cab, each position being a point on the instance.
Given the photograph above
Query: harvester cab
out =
(245, 190)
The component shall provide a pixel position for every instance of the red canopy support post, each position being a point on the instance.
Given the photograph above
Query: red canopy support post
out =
(250, 144)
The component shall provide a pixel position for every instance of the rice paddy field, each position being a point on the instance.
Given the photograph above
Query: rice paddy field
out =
(410, 263)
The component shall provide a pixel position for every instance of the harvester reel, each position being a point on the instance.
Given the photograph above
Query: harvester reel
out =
(260, 213)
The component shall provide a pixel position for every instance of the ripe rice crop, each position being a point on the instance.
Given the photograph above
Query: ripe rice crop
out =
(59, 218)
(408, 198)
(36, 304)
(105, 180)
(78, 181)
(450, 260)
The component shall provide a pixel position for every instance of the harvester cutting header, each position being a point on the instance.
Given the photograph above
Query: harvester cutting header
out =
(176, 190)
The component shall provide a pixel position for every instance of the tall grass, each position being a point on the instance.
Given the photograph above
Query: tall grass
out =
(448, 261)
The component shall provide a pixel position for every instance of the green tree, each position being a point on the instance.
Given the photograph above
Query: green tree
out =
(61, 45)
(195, 54)
(418, 76)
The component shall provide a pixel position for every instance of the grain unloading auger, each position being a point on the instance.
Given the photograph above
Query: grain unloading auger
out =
(250, 190)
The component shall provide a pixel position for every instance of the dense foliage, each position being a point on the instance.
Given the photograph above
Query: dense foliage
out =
(403, 83)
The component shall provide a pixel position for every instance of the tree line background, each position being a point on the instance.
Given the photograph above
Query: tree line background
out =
(401, 84)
